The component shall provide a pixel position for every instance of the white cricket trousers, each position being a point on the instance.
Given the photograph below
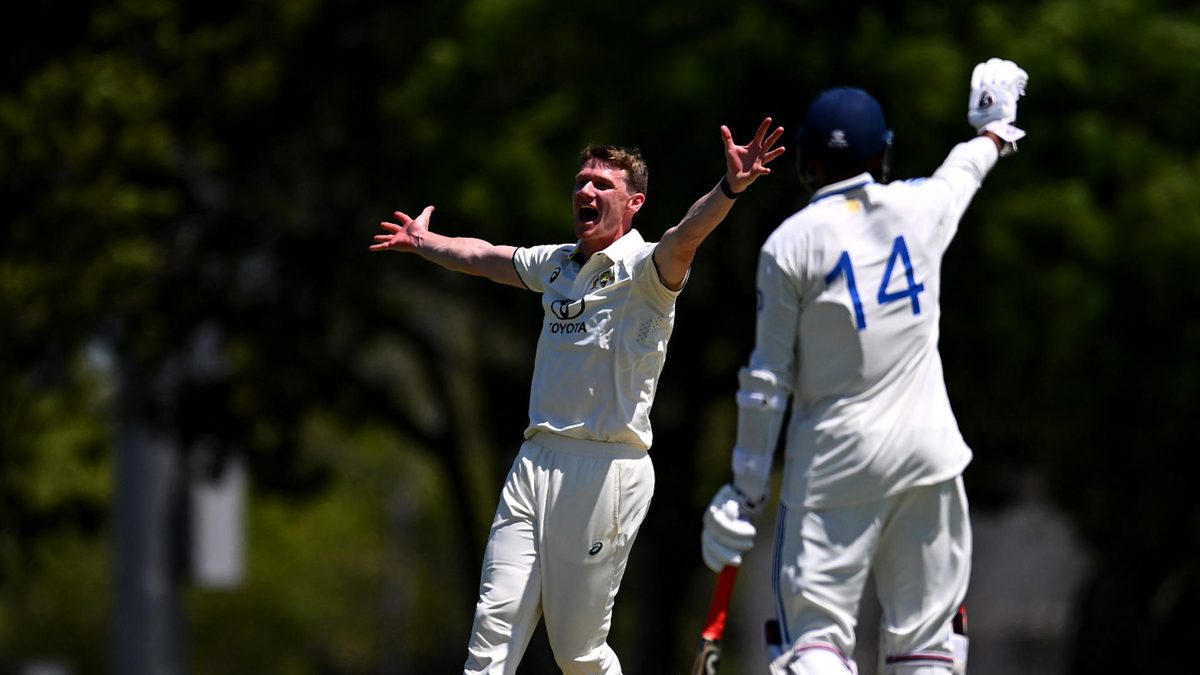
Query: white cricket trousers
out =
(918, 545)
(568, 515)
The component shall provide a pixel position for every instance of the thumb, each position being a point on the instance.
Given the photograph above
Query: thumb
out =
(426, 215)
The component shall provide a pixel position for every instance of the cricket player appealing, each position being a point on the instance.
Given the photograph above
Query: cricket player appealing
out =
(847, 329)
(581, 483)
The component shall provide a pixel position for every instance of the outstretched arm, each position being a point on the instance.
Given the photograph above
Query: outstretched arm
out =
(458, 254)
(743, 165)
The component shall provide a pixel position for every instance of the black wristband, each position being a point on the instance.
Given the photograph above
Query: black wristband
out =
(725, 188)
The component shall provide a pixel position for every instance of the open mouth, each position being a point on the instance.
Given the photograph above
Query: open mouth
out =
(588, 214)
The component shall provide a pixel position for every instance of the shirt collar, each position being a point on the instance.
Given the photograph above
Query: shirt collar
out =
(627, 244)
(842, 187)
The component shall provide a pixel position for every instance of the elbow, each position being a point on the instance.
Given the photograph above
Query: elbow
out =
(672, 267)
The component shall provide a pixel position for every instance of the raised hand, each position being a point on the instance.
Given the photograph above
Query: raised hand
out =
(405, 235)
(745, 163)
(996, 85)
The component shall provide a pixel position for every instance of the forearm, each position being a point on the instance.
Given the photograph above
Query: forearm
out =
(679, 244)
(762, 402)
(468, 255)
(702, 218)
(975, 158)
(963, 171)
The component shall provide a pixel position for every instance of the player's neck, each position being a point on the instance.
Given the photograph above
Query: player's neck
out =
(589, 247)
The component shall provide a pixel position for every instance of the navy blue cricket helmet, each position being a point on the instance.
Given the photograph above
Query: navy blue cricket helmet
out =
(843, 129)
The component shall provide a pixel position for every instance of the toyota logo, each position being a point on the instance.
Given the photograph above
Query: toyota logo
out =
(567, 309)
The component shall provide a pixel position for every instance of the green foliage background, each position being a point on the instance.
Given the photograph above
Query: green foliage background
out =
(183, 178)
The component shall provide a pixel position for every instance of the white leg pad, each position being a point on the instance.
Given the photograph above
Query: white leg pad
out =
(813, 661)
(920, 670)
(958, 645)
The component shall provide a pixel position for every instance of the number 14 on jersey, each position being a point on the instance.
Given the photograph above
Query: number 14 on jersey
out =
(911, 291)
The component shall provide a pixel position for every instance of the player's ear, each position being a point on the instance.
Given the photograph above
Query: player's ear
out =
(635, 201)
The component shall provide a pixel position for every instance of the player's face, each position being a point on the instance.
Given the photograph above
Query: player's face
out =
(603, 206)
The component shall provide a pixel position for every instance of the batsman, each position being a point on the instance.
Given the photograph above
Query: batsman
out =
(581, 483)
(847, 336)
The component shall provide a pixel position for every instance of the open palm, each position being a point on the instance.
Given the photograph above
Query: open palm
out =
(404, 235)
(745, 163)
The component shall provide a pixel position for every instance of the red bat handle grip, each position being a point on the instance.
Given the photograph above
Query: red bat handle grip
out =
(714, 625)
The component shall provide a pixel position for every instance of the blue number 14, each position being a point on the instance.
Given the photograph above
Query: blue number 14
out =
(899, 252)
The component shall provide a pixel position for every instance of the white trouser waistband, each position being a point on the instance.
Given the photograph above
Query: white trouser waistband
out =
(579, 446)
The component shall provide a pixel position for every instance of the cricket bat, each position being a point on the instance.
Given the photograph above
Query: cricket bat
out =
(708, 655)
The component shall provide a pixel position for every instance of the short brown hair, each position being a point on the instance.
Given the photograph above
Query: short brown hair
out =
(627, 159)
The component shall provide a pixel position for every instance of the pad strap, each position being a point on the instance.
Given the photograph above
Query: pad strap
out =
(760, 401)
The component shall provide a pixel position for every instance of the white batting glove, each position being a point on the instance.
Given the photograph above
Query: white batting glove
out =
(728, 532)
(996, 84)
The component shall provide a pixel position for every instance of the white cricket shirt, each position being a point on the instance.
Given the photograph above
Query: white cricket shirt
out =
(848, 316)
(603, 341)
